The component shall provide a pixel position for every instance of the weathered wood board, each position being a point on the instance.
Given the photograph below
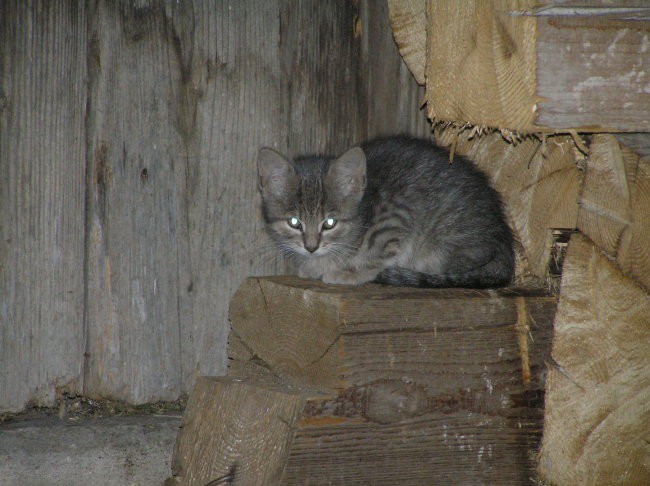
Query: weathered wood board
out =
(42, 166)
(414, 385)
(528, 65)
(607, 86)
(395, 103)
(136, 223)
(597, 422)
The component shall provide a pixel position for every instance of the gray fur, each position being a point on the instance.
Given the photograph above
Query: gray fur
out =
(404, 216)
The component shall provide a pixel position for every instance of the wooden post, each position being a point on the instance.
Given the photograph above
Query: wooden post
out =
(414, 385)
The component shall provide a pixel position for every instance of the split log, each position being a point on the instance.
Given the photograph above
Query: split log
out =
(529, 65)
(597, 422)
(414, 385)
(408, 21)
(615, 205)
(480, 64)
(236, 433)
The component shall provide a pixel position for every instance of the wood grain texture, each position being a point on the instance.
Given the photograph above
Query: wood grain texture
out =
(615, 205)
(395, 102)
(638, 143)
(42, 158)
(597, 423)
(439, 448)
(425, 383)
(135, 217)
(605, 197)
(273, 333)
(408, 20)
(481, 63)
(254, 433)
(337, 337)
(237, 432)
(321, 60)
(234, 67)
(592, 71)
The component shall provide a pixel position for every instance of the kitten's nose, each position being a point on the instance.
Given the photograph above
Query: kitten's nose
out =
(311, 242)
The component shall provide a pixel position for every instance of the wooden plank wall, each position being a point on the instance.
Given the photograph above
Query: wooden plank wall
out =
(130, 213)
(42, 157)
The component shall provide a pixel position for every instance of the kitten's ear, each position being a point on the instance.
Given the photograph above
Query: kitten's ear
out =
(347, 174)
(274, 172)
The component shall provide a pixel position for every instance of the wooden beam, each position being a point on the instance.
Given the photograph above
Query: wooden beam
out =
(529, 66)
(245, 432)
(593, 69)
(423, 384)
(597, 422)
(236, 433)
(335, 337)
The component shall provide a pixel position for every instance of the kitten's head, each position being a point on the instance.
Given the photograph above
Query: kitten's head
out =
(310, 205)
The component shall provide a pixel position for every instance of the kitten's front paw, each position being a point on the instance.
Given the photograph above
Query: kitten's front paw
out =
(347, 277)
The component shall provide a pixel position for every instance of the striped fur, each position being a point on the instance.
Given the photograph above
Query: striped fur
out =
(403, 215)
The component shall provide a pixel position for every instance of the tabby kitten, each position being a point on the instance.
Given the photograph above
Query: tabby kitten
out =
(393, 211)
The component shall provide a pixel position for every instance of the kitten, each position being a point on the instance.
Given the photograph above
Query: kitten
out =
(393, 211)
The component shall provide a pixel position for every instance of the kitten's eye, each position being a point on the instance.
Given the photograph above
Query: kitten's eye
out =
(294, 223)
(329, 223)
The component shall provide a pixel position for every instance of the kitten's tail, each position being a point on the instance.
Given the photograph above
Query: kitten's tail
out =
(402, 277)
